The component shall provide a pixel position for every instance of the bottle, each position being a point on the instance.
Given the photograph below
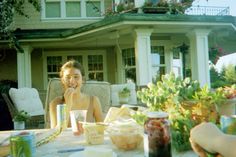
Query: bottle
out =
(61, 116)
(157, 136)
(22, 144)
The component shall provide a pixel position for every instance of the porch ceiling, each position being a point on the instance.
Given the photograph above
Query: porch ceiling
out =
(117, 29)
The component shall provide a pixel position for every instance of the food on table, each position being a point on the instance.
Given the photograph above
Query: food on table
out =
(98, 152)
(126, 134)
(94, 133)
(157, 136)
(115, 113)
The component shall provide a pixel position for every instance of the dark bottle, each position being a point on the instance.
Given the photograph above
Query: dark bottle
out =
(157, 136)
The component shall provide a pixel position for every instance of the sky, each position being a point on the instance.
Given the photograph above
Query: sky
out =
(221, 3)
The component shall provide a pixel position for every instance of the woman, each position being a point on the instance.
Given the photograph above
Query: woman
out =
(207, 137)
(71, 75)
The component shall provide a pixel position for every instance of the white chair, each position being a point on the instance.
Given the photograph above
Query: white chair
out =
(28, 99)
(116, 88)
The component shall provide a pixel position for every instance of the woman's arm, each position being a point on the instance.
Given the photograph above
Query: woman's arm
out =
(98, 115)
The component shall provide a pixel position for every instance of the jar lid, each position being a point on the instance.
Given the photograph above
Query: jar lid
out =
(157, 114)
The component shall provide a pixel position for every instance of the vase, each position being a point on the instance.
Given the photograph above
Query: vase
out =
(227, 107)
(19, 125)
(124, 98)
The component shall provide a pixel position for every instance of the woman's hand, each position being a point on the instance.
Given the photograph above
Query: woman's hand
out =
(204, 137)
(197, 149)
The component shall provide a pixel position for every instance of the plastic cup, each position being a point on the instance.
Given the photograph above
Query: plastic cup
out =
(78, 117)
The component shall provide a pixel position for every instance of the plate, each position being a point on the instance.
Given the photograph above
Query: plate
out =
(81, 154)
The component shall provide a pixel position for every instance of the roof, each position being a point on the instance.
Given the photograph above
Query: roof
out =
(64, 33)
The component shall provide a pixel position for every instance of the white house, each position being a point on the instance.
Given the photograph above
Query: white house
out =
(137, 45)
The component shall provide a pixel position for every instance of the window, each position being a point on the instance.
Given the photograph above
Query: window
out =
(67, 9)
(73, 9)
(95, 67)
(53, 66)
(177, 63)
(158, 62)
(93, 9)
(94, 64)
(128, 57)
(53, 9)
(77, 58)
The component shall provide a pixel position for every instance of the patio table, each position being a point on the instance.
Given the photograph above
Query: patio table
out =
(66, 140)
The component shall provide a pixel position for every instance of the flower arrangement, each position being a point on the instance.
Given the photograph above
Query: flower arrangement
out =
(21, 116)
(223, 94)
(225, 99)
(170, 95)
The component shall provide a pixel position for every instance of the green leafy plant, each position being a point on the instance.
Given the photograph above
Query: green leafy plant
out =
(173, 6)
(223, 94)
(125, 92)
(170, 95)
(21, 116)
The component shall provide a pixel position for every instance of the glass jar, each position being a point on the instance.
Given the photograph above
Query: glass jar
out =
(157, 136)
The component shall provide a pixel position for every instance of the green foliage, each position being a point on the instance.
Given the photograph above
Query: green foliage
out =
(173, 6)
(124, 91)
(226, 77)
(173, 95)
(188, 88)
(230, 74)
(7, 10)
(21, 116)
(167, 95)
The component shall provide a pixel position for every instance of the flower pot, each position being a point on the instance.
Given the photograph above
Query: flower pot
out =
(124, 98)
(155, 10)
(227, 107)
(19, 125)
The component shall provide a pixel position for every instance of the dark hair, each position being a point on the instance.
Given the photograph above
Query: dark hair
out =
(72, 64)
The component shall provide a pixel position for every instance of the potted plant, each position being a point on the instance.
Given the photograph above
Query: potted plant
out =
(20, 119)
(168, 95)
(124, 95)
(226, 100)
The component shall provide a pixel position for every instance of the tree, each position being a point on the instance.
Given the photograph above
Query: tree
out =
(230, 74)
(7, 10)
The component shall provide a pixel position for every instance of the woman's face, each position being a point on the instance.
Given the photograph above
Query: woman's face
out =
(72, 78)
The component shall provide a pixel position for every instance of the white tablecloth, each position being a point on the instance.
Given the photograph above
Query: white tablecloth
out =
(66, 140)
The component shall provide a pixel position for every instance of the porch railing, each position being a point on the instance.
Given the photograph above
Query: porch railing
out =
(207, 10)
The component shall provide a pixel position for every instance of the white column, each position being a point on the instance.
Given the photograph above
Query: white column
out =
(143, 56)
(20, 69)
(24, 67)
(199, 56)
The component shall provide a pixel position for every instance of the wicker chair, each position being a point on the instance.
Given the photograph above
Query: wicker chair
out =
(96, 88)
(26, 99)
(11, 107)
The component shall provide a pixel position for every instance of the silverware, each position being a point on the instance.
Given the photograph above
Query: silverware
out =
(71, 150)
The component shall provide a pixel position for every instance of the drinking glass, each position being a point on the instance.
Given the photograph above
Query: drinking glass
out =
(77, 118)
